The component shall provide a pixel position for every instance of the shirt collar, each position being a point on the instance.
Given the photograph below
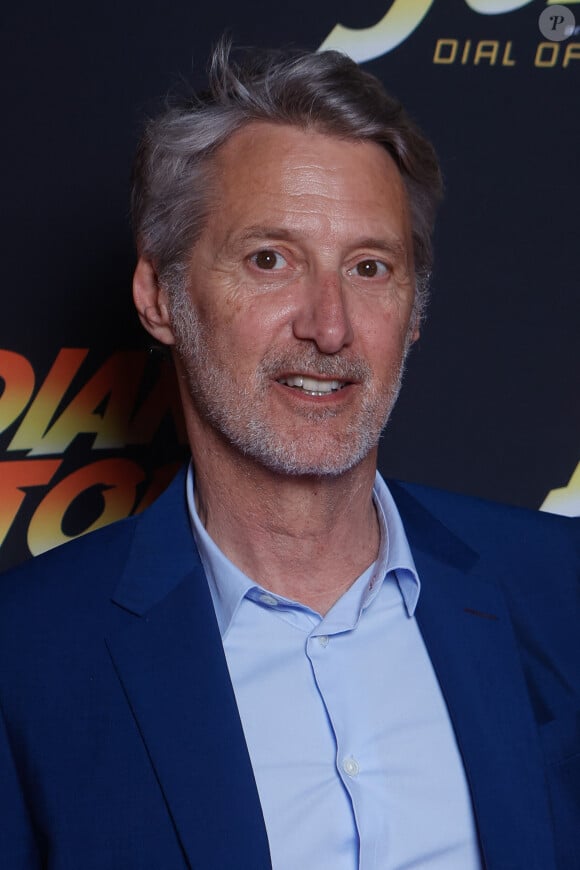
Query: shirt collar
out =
(395, 553)
(229, 585)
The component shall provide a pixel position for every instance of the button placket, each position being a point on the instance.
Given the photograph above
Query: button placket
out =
(350, 766)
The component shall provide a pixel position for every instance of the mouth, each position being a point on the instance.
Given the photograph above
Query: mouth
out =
(313, 386)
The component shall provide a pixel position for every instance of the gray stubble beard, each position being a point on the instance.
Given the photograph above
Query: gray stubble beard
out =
(230, 413)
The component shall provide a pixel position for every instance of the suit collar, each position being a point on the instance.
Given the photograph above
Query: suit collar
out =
(162, 551)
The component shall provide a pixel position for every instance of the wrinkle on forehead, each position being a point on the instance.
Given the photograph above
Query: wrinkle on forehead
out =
(298, 153)
(310, 186)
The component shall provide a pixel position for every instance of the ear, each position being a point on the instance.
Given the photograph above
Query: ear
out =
(151, 302)
(413, 330)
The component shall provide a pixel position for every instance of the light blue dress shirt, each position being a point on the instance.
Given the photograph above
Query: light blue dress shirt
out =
(355, 759)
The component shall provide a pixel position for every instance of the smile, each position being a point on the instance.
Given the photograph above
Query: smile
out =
(312, 386)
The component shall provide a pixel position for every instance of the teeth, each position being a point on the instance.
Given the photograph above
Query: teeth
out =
(312, 385)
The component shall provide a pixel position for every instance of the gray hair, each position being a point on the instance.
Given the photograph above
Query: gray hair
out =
(326, 91)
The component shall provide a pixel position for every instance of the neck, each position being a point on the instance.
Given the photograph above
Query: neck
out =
(306, 538)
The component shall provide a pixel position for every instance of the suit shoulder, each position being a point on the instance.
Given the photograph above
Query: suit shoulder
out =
(86, 567)
(451, 504)
(494, 528)
(95, 558)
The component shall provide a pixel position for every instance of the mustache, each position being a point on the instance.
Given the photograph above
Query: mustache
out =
(310, 360)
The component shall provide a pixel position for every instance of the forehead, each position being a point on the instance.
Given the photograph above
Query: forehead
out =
(290, 173)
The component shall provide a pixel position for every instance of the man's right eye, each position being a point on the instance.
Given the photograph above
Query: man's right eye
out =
(268, 260)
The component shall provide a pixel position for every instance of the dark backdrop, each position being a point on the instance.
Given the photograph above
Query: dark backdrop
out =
(88, 426)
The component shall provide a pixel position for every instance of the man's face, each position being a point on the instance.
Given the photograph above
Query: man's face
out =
(297, 315)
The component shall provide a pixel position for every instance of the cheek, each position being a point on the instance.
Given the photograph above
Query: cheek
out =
(231, 308)
(263, 321)
(239, 342)
(383, 343)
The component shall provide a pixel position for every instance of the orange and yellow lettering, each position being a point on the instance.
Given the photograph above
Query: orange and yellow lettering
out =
(507, 59)
(486, 49)
(571, 52)
(29, 434)
(15, 478)
(117, 477)
(445, 50)
(103, 406)
(18, 377)
(547, 54)
(566, 499)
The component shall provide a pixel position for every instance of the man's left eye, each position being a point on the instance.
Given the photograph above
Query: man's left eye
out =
(268, 260)
(369, 269)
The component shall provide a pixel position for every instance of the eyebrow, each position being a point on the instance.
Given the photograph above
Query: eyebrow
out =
(259, 231)
(390, 244)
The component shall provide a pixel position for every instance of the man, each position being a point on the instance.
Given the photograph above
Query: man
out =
(284, 662)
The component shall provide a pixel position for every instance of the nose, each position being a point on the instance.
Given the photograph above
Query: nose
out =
(323, 316)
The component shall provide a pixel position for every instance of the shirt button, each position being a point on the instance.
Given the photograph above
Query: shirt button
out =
(323, 640)
(350, 766)
(269, 600)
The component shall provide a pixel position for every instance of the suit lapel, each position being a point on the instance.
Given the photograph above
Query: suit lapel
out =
(174, 674)
(467, 629)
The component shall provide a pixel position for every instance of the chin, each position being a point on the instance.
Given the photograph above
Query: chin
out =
(303, 458)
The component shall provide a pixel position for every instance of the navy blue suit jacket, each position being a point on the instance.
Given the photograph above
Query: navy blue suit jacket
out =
(120, 741)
